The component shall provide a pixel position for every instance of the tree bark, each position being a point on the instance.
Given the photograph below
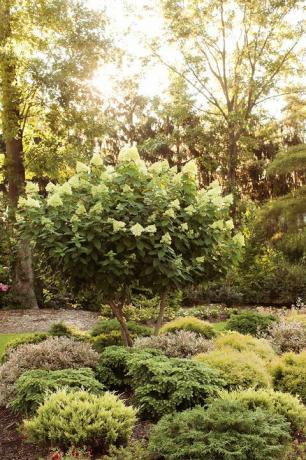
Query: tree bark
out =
(162, 307)
(117, 311)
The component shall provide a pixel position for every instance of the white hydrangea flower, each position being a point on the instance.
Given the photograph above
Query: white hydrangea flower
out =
(169, 213)
(184, 226)
(54, 201)
(229, 224)
(31, 188)
(96, 190)
(74, 181)
(166, 239)
(96, 160)
(137, 229)
(175, 204)
(151, 229)
(118, 225)
(190, 168)
(50, 187)
(65, 189)
(128, 154)
(80, 209)
(126, 188)
(82, 167)
(190, 209)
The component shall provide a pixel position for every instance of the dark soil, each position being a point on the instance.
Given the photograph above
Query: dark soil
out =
(12, 444)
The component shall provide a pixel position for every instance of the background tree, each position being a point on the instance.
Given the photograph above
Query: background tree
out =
(233, 56)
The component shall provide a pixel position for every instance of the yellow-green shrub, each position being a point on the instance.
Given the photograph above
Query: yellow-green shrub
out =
(239, 369)
(81, 419)
(284, 404)
(289, 374)
(189, 323)
(241, 342)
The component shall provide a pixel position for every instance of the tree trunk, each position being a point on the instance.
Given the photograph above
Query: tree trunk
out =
(117, 311)
(23, 286)
(162, 307)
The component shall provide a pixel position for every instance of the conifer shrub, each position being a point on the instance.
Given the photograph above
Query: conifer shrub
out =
(33, 387)
(191, 324)
(180, 344)
(81, 419)
(164, 385)
(239, 369)
(289, 374)
(241, 342)
(284, 404)
(250, 322)
(226, 430)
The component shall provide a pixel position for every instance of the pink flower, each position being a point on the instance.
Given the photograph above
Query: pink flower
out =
(4, 287)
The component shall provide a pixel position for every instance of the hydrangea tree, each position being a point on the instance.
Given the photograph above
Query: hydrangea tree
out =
(132, 225)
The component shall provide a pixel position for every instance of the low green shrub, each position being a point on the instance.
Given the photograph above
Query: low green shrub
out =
(191, 324)
(289, 374)
(239, 369)
(250, 322)
(54, 353)
(284, 404)
(113, 368)
(288, 336)
(81, 419)
(163, 385)
(12, 345)
(180, 344)
(225, 431)
(32, 387)
(241, 342)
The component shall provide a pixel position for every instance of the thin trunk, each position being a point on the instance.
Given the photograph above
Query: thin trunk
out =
(117, 311)
(161, 313)
(23, 286)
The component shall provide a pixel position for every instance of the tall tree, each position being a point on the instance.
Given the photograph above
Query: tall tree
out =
(234, 53)
(47, 49)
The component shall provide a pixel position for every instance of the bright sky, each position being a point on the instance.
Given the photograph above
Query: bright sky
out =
(133, 23)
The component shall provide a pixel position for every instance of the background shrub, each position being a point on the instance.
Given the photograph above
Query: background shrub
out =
(284, 404)
(250, 322)
(113, 367)
(241, 342)
(225, 431)
(12, 345)
(180, 344)
(288, 336)
(239, 369)
(289, 374)
(53, 353)
(81, 419)
(191, 324)
(163, 385)
(32, 387)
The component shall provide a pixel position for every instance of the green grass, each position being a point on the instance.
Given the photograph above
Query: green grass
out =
(4, 338)
(219, 327)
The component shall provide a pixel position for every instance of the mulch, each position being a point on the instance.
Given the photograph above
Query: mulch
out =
(12, 445)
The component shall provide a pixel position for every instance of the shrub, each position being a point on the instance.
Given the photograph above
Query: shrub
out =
(289, 374)
(239, 369)
(225, 431)
(284, 404)
(32, 386)
(241, 342)
(12, 345)
(288, 336)
(250, 322)
(163, 385)
(190, 324)
(113, 367)
(81, 419)
(180, 344)
(55, 353)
